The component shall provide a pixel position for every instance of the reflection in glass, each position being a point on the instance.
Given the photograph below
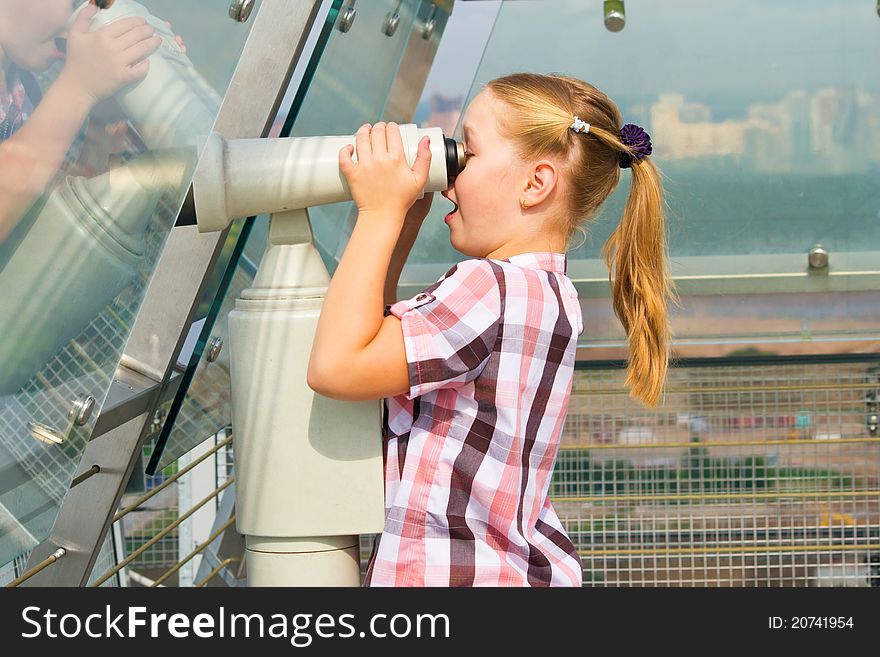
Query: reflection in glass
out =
(103, 146)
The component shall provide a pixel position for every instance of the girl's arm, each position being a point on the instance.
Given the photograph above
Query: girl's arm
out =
(357, 353)
(98, 64)
(408, 234)
(31, 157)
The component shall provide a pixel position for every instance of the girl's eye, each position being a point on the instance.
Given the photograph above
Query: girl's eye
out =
(468, 154)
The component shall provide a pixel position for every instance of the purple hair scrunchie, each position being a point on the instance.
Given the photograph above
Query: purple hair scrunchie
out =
(636, 138)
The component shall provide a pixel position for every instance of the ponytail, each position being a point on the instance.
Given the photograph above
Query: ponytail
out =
(640, 284)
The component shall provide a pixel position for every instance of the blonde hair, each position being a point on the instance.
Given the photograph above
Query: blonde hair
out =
(539, 109)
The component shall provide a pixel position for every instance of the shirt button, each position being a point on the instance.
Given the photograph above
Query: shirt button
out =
(421, 297)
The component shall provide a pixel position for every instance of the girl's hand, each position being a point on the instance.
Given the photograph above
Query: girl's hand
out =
(381, 181)
(177, 39)
(102, 62)
(107, 136)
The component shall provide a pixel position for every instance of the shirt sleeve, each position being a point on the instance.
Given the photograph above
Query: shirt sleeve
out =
(450, 329)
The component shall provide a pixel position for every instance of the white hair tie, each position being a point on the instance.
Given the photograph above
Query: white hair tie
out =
(579, 126)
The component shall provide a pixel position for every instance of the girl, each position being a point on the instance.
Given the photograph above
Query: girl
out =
(477, 369)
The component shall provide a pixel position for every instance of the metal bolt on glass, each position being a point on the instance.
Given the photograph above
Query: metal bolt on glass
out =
(818, 258)
(615, 15)
(240, 10)
(347, 18)
(392, 21)
(430, 24)
(79, 413)
(158, 420)
(215, 346)
(82, 410)
(871, 418)
(872, 400)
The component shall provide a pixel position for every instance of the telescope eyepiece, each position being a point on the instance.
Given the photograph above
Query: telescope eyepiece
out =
(455, 158)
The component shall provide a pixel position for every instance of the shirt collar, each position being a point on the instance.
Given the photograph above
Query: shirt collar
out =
(549, 260)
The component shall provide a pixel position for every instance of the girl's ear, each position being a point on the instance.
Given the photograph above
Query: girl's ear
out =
(541, 182)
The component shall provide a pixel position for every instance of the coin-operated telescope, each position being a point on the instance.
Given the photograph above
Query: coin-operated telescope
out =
(309, 471)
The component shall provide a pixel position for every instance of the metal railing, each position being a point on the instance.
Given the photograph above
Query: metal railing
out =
(48, 561)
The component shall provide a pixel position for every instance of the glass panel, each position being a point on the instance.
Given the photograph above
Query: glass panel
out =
(201, 405)
(766, 150)
(206, 407)
(766, 147)
(94, 168)
(357, 88)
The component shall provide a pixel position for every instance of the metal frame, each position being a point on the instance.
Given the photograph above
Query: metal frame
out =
(786, 276)
(160, 329)
(214, 562)
(735, 274)
(415, 65)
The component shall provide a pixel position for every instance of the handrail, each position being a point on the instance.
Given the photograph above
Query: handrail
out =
(721, 443)
(724, 551)
(192, 554)
(622, 499)
(216, 570)
(131, 507)
(583, 391)
(48, 561)
(146, 546)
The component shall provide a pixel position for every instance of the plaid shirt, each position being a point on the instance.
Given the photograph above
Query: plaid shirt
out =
(469, 451)
(15, 106)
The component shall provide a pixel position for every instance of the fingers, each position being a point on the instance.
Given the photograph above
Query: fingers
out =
(177, 38)
(138, 71)
(142, 49)
(384, 139)
(422, 165)
(377, 139)
(362, 141)
(84, 18)
(394, 141)
(345, 159)
(135, 35)
(123, 25)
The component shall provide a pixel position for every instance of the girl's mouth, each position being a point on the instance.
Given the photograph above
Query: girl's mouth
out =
(449, 216)
(60, 47)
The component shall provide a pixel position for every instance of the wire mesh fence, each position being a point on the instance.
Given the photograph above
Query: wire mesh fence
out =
(744, 476)
(85, 363)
